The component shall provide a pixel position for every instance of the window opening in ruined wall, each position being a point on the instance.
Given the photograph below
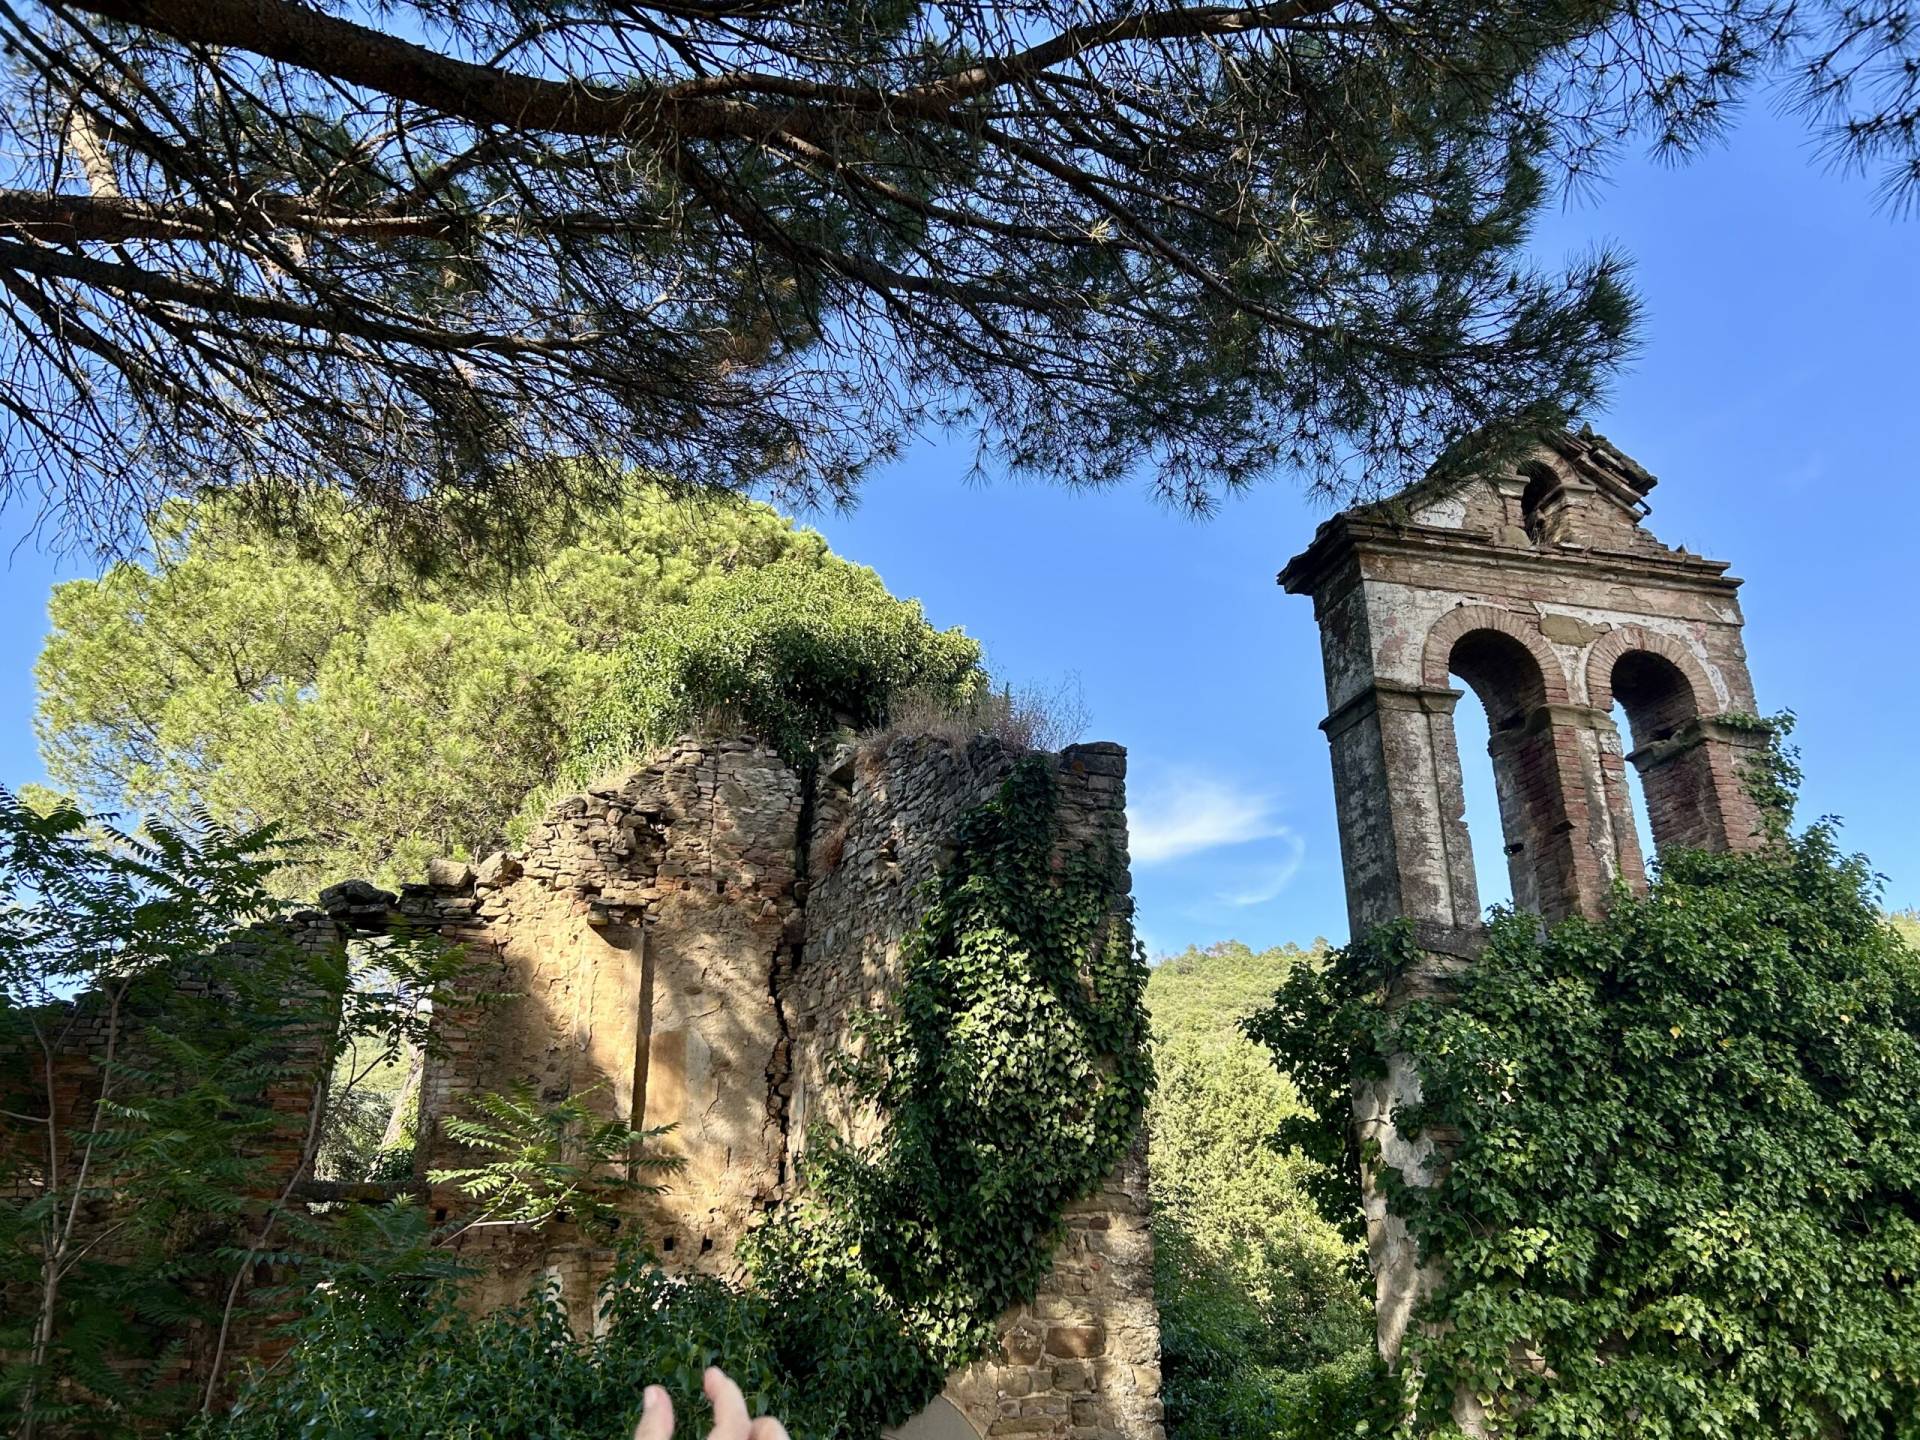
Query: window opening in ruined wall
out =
(370, 1124)
(1506, 680)
(1542, 483)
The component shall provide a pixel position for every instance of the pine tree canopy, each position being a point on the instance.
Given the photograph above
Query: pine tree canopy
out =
(425, 251)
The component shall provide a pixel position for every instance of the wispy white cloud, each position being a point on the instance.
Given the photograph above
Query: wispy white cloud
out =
(1191, 813)
(1267, 884)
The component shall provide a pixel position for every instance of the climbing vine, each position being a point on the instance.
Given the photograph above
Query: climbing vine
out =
(1011, 1075)
(1684, 1200)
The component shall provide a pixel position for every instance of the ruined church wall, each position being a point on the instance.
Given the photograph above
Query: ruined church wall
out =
(689, 946)
(635, 942)
(1081, 1359)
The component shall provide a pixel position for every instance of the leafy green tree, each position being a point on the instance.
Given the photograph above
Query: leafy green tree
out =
(150, 1026)
(1206, 993)
(788, 651)
(531, 1161)
(1256, 1289)
(1685, 1197)
(386, 717)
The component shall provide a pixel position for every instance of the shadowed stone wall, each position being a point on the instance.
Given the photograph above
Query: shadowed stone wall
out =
(690, 945)
(1082, 1359)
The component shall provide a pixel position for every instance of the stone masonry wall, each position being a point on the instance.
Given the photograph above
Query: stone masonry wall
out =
(637, 939)
(689, 945)
(1082, 1359)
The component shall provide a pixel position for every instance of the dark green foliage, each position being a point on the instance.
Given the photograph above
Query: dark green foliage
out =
(789, 651)
(1011, 1077)
(384, 1360)
(1689, 1173)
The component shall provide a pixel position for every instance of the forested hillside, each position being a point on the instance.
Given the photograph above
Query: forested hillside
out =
(1907, 922)
(1262, 1302)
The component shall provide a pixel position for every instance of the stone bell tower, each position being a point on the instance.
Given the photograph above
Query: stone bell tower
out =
(1541, 592)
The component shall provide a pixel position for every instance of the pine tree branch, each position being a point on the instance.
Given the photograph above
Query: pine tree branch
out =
(354, 54)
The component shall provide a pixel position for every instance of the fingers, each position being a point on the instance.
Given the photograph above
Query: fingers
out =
(766, 1428)
(656, 1415)
(729, 1406)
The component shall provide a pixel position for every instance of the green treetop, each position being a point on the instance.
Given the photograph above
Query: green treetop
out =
(1207, 993)
(384, 721)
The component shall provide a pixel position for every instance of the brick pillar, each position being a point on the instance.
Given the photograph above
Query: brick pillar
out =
(1564, 810)
(1403, 833)
(1695, 783)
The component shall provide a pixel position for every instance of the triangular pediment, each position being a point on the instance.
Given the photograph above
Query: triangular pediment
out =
(1575, 488)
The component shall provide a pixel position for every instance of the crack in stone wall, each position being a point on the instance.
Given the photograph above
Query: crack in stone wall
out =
(691, 945)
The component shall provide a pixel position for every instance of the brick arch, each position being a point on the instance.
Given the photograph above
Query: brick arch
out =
(1628, 639)
(1451, 628)
(1544, 459)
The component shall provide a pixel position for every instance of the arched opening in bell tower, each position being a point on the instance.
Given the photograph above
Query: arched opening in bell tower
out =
(1506, 678)
(1675, 792)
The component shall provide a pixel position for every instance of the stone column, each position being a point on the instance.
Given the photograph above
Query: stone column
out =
(1403, 841)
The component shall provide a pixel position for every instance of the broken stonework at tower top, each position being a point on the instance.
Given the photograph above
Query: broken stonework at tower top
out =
(1539, 588)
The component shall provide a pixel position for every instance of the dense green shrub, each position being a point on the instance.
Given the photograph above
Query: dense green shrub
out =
(1686, 1198)
(384, 1360)
(788, 651)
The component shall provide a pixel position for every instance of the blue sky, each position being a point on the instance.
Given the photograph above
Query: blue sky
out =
(1777, 398)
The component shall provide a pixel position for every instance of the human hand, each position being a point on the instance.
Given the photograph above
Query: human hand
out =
(730, 1421)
